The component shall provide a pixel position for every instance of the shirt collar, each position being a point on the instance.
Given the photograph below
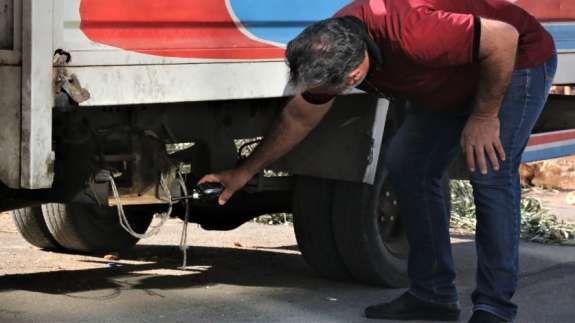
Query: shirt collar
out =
(375, 56)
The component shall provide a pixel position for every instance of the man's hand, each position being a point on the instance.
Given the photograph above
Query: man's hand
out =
(232, 179)
(481, 137)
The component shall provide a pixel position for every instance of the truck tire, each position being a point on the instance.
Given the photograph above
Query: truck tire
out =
(90, 228)
(32, 227)
(369, 234)
(312, 212)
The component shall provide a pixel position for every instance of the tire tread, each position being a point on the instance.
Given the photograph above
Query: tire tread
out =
(313, 227)
(33, 228)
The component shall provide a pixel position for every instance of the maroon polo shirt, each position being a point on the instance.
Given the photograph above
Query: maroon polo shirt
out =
(430, 47)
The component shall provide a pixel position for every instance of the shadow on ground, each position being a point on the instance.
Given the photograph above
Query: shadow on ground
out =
(157, 267)
(545, 291)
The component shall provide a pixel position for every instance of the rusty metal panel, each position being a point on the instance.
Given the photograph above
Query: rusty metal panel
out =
(10, 94)
(10, 32)
(10, 129)
(37, 98)
(137, 84)
(6, 24)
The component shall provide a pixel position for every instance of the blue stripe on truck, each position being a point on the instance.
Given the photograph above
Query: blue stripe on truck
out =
(564, 35)
(548, 153)
(279, 20)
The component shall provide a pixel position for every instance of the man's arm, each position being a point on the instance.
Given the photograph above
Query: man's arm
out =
(497, 52)
(297, 120)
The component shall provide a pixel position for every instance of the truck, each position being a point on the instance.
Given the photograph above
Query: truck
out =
(112, 110)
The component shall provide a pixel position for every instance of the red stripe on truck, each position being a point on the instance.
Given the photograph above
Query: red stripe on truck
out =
(174, 28)
(555, 136)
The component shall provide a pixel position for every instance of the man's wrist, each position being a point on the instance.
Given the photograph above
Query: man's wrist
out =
(484, 111)
(247, 171)
(486, 107)
(484, 115)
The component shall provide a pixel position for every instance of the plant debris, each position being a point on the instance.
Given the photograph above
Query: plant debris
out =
(112, 256)
(536, 223)
(570, 198)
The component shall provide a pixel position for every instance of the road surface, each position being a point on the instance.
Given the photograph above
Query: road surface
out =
(252, 274)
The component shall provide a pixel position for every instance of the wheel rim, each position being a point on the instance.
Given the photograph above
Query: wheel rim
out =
(389, 222)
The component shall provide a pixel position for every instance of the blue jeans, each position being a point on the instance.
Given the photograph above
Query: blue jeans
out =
(417, 160)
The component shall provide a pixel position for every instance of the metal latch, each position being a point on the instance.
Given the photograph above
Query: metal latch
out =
(68, 84)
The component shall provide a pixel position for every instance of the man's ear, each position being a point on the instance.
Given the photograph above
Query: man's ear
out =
(359, 73)
(353, 77)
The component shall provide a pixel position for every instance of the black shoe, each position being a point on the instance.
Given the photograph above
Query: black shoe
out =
(480, 316)
(408, 307)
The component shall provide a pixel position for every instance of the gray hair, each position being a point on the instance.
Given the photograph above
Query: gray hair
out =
(325, 53)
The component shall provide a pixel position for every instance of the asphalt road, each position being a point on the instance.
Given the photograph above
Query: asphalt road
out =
(252, 274)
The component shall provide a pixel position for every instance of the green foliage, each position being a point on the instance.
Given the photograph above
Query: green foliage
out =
(275, 218)
(536, 222)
